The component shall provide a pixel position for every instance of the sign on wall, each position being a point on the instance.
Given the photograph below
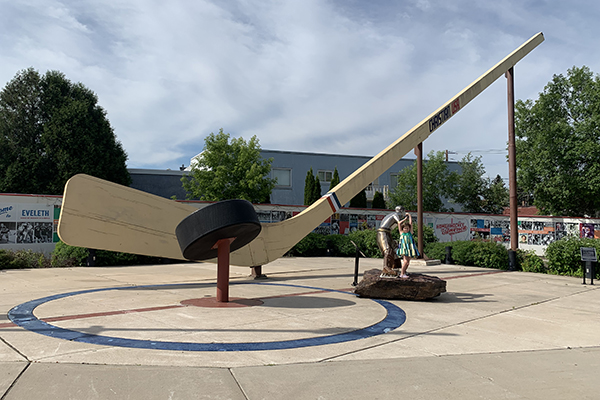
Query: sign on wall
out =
(25, 223)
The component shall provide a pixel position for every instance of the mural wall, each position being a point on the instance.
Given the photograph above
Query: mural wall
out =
(30, 222)
(535, 233)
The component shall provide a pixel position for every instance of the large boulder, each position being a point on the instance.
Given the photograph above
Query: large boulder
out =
(415, 287)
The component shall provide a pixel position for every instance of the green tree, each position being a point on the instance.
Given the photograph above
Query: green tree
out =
(317, 189)
(474, 191)
(378, 201)
(437, 181)
(470, 185)
(496, 196)
(309, 187)
(558, 145)
(229, 170)
(52, 129)
(360, 200)
(335, 180)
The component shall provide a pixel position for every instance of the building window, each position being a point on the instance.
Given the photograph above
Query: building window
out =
(325, 176)
(282, 176)
(393, 181)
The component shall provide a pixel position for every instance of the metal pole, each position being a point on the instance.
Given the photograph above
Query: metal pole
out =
(223, 247)
(356, 257)
(419, 153)
(512, 163)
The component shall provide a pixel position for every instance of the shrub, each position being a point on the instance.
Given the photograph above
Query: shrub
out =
(10, 259)
(72, 256)
(340, 246)
(312, 245)
(436, 251)
(471, 253)
(564, 256)
(428, 235)
(462, 252)
(317, 245)
(490, 255)
(378, 201)
(367, 242)
(529, 262)
(68, 256)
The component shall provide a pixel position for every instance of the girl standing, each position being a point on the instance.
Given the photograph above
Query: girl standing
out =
(407, 248)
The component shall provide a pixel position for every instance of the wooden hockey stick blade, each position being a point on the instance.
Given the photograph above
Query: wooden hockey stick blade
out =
(103, 215)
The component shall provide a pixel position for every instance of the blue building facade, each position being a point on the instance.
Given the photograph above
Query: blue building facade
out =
(163, 183)
(289, 168)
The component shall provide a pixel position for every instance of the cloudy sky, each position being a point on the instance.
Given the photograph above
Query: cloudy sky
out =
(330, 76)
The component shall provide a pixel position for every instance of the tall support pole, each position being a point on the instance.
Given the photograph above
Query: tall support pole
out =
(512, 170)
(419, 154)
(223, 246)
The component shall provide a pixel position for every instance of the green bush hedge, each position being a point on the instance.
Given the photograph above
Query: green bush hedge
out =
(564, 256)
(10, 259)
(312, 245)
(68, 256)
(490, 255)
(493, 255)
(471, 253)
(316, 245)
(528, 261)
(436, 251)
(340, 246)
(65, 256)
(366, 241)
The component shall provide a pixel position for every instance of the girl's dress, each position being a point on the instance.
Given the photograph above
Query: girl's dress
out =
(407, 246)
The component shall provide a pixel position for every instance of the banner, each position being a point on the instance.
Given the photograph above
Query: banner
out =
(449, 229)
(23, 223)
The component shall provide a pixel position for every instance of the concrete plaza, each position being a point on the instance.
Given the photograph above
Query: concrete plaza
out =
(155, 332)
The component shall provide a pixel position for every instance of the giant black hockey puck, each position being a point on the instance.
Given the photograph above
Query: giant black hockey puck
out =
(198, 233)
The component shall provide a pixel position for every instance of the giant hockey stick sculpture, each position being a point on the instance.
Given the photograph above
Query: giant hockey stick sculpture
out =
(103, 215)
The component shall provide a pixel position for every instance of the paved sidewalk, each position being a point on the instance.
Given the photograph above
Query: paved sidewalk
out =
(154, 332)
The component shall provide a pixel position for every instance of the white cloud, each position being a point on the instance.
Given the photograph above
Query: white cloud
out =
(316, 75)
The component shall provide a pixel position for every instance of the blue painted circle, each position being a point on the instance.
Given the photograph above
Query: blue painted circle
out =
(22, 315)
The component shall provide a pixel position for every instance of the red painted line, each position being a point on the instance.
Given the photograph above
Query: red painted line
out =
(92, 315)
(107, 313)
(138, 310)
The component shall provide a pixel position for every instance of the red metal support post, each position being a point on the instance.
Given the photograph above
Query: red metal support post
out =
(512, 162)
(512, 173)
(223, 247)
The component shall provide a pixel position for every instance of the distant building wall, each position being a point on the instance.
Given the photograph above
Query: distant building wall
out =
(164, 183)
(290, 169)
(293, 166)
(535, 232)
